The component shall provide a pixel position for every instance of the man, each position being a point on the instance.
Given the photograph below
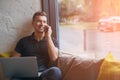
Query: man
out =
(41, 45)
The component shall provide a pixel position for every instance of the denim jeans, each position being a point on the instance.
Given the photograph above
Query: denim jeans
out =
(53, 73)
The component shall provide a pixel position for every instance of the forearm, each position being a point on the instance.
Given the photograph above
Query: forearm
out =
(52, 50)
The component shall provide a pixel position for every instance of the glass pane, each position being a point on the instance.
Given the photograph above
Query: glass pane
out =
(75, 17)
(90, 26)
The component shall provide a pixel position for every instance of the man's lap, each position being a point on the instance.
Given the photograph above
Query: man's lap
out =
(52, 73)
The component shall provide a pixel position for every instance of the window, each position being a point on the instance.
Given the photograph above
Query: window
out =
(79, 24)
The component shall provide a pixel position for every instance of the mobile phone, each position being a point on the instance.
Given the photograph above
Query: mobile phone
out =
(45, 28)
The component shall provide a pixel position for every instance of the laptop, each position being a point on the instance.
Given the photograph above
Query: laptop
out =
(19, 67)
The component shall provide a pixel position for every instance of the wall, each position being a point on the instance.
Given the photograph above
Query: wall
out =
(15, 21)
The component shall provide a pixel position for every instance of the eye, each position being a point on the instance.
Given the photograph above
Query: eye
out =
(45, 21)
(37, 21)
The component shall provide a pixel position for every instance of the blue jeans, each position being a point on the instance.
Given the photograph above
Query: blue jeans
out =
(53, 73)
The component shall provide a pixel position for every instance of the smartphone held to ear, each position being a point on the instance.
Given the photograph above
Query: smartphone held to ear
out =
(45, 28)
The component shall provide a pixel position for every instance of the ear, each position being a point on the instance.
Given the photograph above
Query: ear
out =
(32, 23)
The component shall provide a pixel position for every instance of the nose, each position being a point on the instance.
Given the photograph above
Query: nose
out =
(42, 23)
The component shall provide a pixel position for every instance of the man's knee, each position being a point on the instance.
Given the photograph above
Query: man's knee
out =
(55, 70)
(53, 73)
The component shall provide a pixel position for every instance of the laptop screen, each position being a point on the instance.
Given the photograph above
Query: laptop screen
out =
(19, 67)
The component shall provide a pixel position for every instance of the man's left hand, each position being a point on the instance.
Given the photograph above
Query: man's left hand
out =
(48, 31)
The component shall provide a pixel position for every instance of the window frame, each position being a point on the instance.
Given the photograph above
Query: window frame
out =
(51, 8)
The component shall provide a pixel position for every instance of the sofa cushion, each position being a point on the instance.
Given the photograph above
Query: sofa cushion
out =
(7, 54)
(80, 67)
(110, 69)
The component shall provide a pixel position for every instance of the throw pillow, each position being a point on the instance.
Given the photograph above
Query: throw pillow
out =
(5, 55)
(110, 69)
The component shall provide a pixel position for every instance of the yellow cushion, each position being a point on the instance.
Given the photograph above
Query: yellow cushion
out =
(7, 54)
(110, 69)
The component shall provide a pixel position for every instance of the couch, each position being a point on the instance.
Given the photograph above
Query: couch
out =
(80, 67)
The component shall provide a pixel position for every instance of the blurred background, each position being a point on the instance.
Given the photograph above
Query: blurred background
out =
(91, 26)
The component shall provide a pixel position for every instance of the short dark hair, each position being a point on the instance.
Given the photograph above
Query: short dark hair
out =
(39, 13)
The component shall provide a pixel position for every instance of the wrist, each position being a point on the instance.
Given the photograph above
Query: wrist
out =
(48, 37)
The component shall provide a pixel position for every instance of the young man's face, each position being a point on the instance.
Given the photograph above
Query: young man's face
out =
(39, 23)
